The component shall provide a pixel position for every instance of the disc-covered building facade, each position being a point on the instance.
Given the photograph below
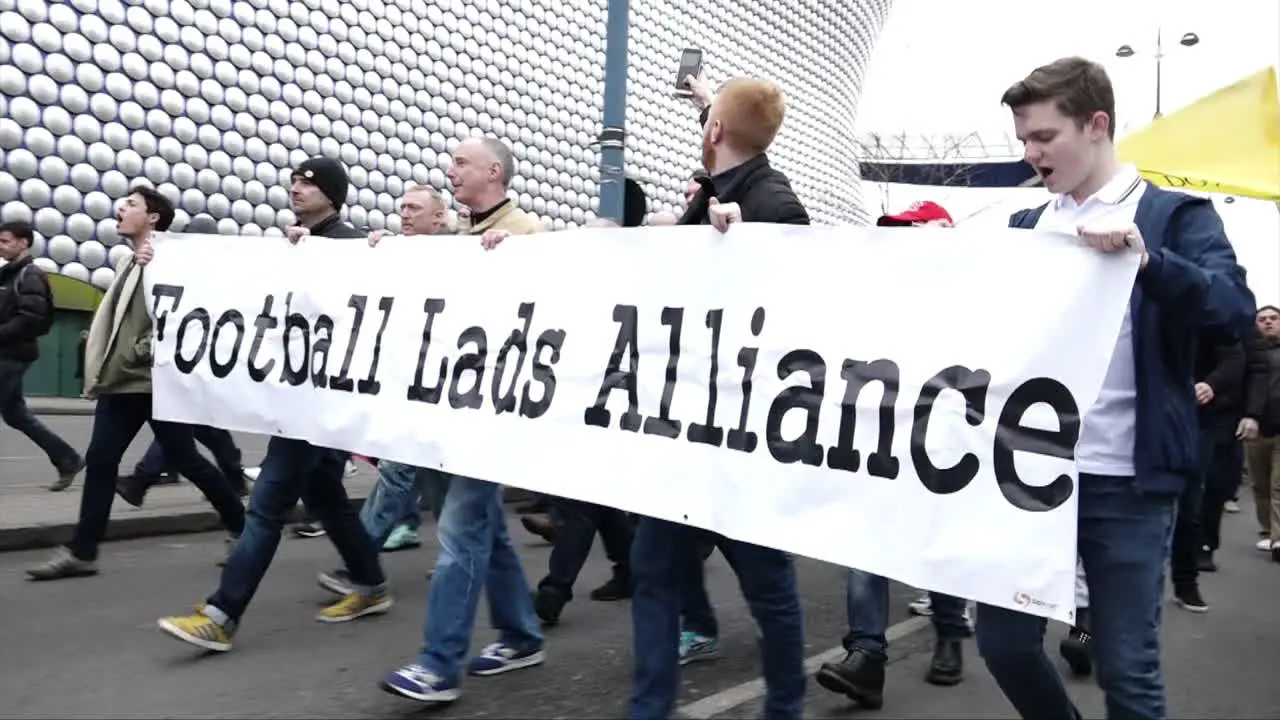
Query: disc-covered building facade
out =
(213, 101)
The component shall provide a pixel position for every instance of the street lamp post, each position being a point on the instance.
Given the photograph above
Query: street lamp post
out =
(1188, 40)
(613, 135)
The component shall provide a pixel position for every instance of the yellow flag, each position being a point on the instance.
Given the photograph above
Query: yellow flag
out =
(1227, 142)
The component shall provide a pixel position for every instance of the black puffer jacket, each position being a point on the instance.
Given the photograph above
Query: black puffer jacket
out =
(1262, 384)
(1222, 367)
(335, 227)
(26, 306)
(763, 194)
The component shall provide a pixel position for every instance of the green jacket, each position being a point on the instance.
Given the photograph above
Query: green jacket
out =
(118, 352)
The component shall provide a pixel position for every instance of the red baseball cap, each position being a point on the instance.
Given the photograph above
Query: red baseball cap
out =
(921, 212)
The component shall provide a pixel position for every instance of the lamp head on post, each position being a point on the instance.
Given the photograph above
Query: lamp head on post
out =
(1126, 51)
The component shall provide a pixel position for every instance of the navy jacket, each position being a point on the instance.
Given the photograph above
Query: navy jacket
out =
(1192, 284)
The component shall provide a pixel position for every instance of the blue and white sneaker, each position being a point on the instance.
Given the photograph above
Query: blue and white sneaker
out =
(499, 658)
(695, 648)
(418, 683)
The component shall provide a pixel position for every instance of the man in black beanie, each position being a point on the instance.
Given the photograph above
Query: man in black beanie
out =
(294, 469)
(318, 193)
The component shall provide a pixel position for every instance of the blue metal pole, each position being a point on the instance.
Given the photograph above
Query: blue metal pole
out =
(613, 133)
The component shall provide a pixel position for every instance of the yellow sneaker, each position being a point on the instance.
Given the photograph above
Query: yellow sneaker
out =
(355, 606)
(197, 630)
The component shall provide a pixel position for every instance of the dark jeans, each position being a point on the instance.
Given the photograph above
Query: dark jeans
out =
(1223, 460)
(696, 614)
(867, 604)
(16, 414)
(1187, 532)
(579, 522)
(116, 422)
(1123, 541)
(220, 443)
(291, 470)
(664, 558)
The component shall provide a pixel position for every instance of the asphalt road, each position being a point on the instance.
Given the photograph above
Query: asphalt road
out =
(88, 648)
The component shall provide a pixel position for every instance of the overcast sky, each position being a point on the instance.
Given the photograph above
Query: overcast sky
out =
(941, 66)
(962, 55)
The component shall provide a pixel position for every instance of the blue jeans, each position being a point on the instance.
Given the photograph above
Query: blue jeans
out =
(291, 470)
(117, 418)
(220, 444)
(476, 555)
(867, 602)
(396, 498)
(1123, 542)
(664, 559)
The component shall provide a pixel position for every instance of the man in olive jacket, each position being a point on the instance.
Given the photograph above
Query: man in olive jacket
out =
(118, 375)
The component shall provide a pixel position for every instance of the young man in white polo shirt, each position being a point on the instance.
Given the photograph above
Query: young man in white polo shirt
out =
(1137, 444)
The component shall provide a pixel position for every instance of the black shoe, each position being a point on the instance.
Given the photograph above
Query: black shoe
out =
(533, 507)
(548, 603)
(166, 478)
(1074, 648)
(947, 667)
(618, 588)
(1204, 561)
(1188, 598)
(857, 677)
(308, 530)
(132, 490)
(542, 526)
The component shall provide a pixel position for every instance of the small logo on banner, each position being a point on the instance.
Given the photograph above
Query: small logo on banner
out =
(1022, 599)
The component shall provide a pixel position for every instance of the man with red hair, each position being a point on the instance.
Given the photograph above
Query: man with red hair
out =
(738, 128)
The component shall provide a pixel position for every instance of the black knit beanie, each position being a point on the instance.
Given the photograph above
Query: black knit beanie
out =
(328, 175)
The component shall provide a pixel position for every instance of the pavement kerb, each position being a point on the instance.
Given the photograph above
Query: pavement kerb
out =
(125, 528)
(41, 407)
(131, 528)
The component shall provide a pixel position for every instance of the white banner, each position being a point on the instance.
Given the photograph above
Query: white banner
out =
(903, 401)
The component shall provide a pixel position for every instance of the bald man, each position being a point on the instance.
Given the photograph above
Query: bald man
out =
(476, 554)
(481, 174)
